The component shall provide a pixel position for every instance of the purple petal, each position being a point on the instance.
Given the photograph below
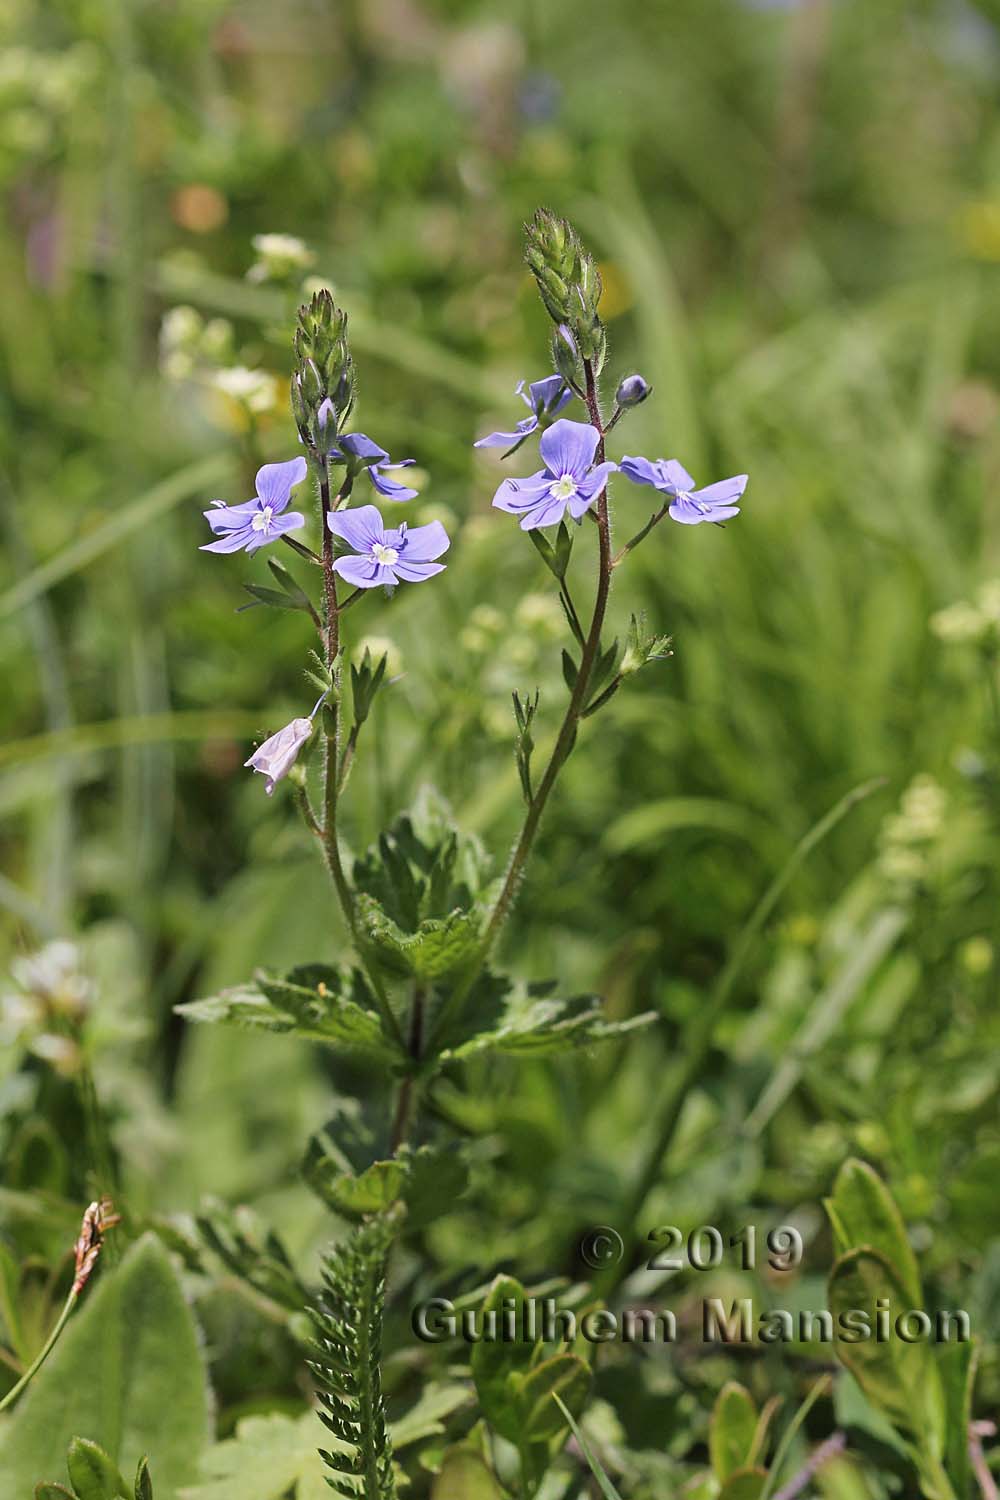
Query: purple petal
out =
(419, 544)
(569, 447)
(275, 482)
(640, 470)
(545, 514)
(360, 528)
(280, 524)
(360, 446)
(675, 475)
(724, 492)
(549, 395)
(364, 572)
(517, 495)
(506, 439)
(233, 541)
(232, 517)
(690, 513)
(415, 572)
(591, 485)
(388, 487)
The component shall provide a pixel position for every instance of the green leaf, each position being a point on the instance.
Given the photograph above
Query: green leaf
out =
(274, 598)
(426, 1417)
(863, 1212)
(957, 1366)
(564, 1375)
(541, 1026)
(92, 1474)
(438, 948)
(268, 1458)
(128, 1372)
(497, 1364)
(732, 1430)
(315, 1002)
(744, 1484)
(53, 1492)
(353, 1197)
(465, 1474)
(900, 1379)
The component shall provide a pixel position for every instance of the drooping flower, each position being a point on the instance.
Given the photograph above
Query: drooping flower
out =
(380, 557)
(543, 398)
(716, 502)
(247, 527)
(570, 478)
(277, 755)
(359, 452)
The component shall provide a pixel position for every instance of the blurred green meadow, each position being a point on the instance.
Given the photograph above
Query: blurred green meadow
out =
(796, 209)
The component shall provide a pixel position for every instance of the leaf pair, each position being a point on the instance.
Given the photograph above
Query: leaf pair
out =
(94, 1476)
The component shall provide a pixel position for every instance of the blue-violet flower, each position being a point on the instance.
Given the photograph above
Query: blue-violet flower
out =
(543, 398)
(360, 452)
(381, 557)
(569, 480)
(247, 527)
(716, 502)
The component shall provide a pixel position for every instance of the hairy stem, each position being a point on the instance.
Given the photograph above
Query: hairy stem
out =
(564, 739)
(403, 1116)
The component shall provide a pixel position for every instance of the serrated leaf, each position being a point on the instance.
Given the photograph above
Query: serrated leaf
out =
(732, 1430)
(313, 1002)
(900, 1379)
(865, 1213)
(543, 1026)
(92, 1474)
(268, 1457)
(353, 1197)
(128, 1371)
(438, 948)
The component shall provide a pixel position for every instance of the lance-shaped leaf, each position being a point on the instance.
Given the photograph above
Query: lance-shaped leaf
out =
(957, 1365)
(732, 1430)
(541, 1026)
(744, 1484)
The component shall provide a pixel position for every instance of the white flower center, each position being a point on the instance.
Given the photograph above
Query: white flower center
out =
(262, 520)
(384, 555)
(564, 488)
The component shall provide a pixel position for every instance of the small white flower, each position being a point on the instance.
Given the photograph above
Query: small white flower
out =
(256, 389)
(278, 256)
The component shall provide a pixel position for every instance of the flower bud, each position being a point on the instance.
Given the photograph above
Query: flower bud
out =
(632, 391)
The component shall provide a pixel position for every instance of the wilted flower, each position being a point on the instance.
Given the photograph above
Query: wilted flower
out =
(250, 526)
(359, 452)
(380, 557)
(543, 398)
(277, 755)
(632, 391)
(97, 1220)
(716, 502)
(569, 478)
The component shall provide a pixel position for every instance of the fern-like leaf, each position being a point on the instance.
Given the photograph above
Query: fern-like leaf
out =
(348, 1323)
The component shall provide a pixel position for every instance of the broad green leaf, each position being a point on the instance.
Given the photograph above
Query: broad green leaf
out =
(465, 1475)
(92, 1474)
(900, 1379)
(439, 946)
(428, 1181)
(269, 1457)
(497, 1363)
(732, 1430)
(957, 1364)
(128, 1372)
(542, 1026)
(744, 1484)
(317, 1003)
(865, 1213)
(565, 1376)
(370, 1192)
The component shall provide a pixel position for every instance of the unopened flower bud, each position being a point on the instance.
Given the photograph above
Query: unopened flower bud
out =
(632, 391)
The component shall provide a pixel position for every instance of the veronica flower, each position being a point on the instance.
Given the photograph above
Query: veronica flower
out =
(277, 755)
(716, 502)
(247, 527)
(359, 452)
(379, 557)
(569, 478)
(543, 399)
